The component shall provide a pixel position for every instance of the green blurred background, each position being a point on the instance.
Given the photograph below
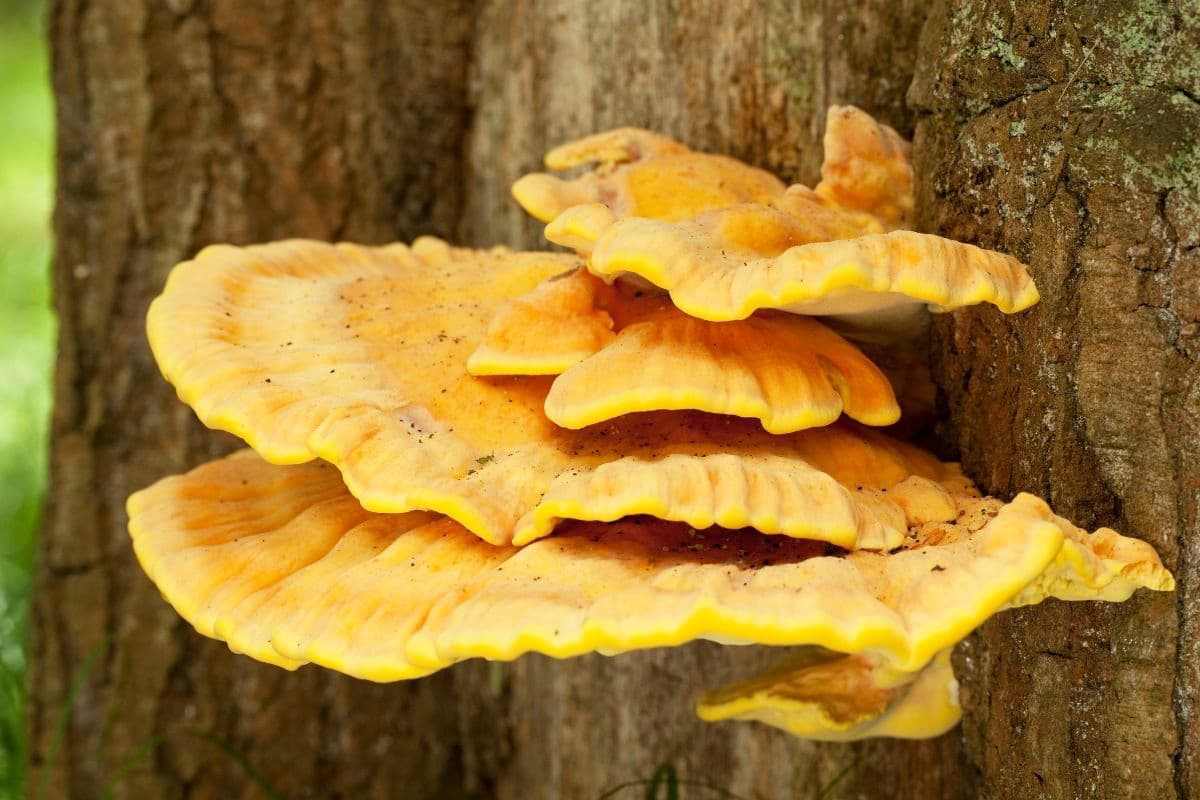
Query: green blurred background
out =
(26, 346)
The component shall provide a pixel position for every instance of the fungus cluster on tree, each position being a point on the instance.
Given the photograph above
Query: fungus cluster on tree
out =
(466, 453)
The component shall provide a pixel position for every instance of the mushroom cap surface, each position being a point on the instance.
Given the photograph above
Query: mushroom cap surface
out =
(876, 699)
(835, 250)
(358, 356)
(866, 179)
(867, 167)
(285, 565)
(726, 264)
(819, 694)
(618, 350)
(643, 174)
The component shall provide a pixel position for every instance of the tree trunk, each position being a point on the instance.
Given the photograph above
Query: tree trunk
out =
(1070, 137)
(183, 123)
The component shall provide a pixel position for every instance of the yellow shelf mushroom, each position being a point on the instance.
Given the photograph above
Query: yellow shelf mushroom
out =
(726, 264)
(644, 174)
(482, 453)
(866, 169)
(820, 694)
(358, 356)
(286, 566)
(866, 179)
(618, 351)
(834, 250)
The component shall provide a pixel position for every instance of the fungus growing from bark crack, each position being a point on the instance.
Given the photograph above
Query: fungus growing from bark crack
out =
(618, 351)
(286, 566)
(358, 355)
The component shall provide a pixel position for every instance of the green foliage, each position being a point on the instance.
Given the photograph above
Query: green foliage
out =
(140, 754)
(26, 348)
(131, 762)
(240, 759)
(664, 784)
(826, 791)
(64, 713)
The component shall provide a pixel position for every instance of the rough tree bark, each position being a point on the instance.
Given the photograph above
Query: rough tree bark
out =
(181, 124)
(1070, 137)
(188, 122)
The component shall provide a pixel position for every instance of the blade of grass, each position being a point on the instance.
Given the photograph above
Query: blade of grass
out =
(666, 776)
(620, 787)
(824, 791)
(127, 766)
(12, 732)
(64, 714)
(240, 759)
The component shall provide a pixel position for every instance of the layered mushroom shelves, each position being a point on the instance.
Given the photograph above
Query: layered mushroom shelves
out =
(673, 433)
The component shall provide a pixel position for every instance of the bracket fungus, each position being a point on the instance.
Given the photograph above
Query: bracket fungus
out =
(286, 566)
(482, 453)
(358, 356)
(837, 249)
(726, 264)
(643, 174)
(866, 179)
(821, 694)
(866, 168)
(618, 350)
